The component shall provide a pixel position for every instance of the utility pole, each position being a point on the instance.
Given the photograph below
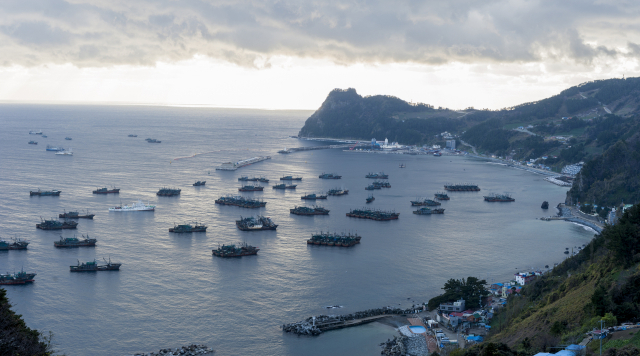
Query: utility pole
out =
(601, 321)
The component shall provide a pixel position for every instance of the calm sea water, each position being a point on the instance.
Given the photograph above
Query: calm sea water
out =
(170, 291)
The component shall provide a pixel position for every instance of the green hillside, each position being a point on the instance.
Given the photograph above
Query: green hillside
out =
(602, 281)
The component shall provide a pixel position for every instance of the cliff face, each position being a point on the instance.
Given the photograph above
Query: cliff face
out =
(346, 114)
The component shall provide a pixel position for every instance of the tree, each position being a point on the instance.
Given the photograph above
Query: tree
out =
(471, 290)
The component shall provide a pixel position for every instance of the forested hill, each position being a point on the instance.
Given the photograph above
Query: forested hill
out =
(346, 114)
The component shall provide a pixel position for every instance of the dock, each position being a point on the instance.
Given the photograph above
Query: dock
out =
(348, 323)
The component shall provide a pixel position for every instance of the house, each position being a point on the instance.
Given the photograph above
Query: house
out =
(453, 307)
(523, 278)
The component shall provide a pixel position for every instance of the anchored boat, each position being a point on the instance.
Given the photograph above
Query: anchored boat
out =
(199, 183)
(93, 266)
(188, 228)
(313, 196)
(427, 211)
(337, 192)
(233, 251)
(498, 198)
(255, 224)
(304, 210)
(168, 192)
(333, 239)
(56, 225)
(329, 176)
(284, 186)
(45, 193)
(251, 188)
(441, 196)
(106, 190)
(137, 206)
(75, 215)
(379, 175)
(461, 187)
(241, 202)
(75, 242)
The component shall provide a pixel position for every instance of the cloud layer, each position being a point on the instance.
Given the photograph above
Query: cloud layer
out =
(103, 33)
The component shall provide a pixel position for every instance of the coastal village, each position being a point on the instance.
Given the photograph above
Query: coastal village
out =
(450, 326)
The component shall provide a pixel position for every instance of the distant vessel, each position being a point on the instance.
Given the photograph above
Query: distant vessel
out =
(54, 148)
(65, 153)
(199, 183)
(461, 187)
(284, 186)
(370, 198)
(290, 178)
(45, 136)
(337, 192)
(75, 215)
(45, 193)
(105, 190)
(56, 225)
(152, 140)
(35, 132)
(254, 179)
(75, 242)
(33, 143)
(93, 266)
(185, 228)
(427, 211)
(498, 198)
(441, 196)
(133, 135)
(378, 215)
(379, 175)
(251, 188)
(378, 184)
(16, 244)
(304, 210)
(545, 205)
(285, 151)
(437, 154)
(427, 202)
(313, 196)
(241, 202)
(256, 224)
(371, 187)
(333, 239)
(230, 166)
(68, 138)
(233, 251)
(329, 176)
(168, 192)
(402, 165)
(138, 206)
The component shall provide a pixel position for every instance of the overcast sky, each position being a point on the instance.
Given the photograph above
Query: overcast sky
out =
(290, 54)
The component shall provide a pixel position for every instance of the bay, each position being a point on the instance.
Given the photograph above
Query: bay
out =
(170, 291)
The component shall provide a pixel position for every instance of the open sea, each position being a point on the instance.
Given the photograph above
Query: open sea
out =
(171, 291)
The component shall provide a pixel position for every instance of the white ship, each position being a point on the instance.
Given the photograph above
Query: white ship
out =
(138, 206)
(230, 166)
(35, 132)
(65, 153)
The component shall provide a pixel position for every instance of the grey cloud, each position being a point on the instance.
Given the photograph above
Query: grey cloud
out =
(142, 32)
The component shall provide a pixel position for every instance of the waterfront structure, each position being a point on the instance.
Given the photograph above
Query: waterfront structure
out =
(230, 166)
(137, 206)
(458, 306)
(45, 193)
(522, 278)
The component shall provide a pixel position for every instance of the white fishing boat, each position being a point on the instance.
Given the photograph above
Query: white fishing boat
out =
(137, 206)
(65, 153)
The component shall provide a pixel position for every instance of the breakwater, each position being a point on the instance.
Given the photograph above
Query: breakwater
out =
(191, 350)
(316, 325)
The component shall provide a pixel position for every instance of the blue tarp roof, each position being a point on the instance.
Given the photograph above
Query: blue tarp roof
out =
(574, 347)
(564, 353)
(475, 338)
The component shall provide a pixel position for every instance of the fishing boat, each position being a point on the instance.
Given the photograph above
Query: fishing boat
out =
(137, 206)
(65, 152)
(370, 198)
